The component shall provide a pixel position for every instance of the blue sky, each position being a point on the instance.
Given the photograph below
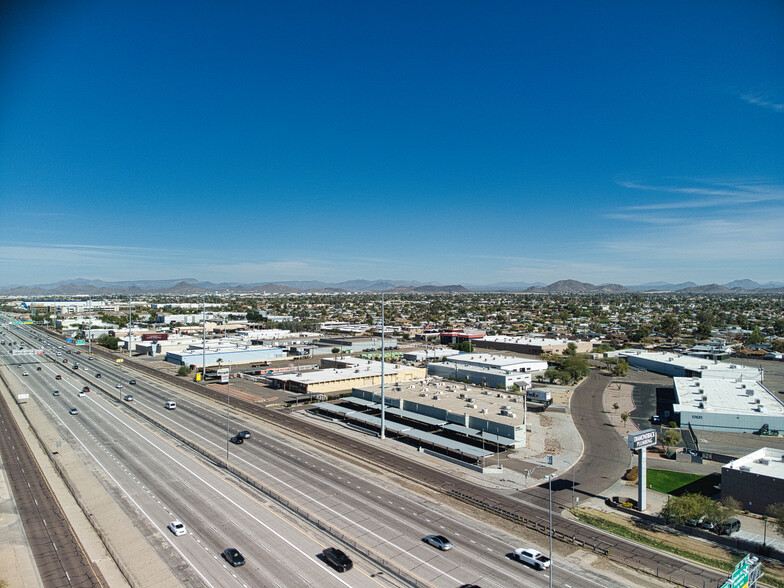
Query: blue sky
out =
(455, 141)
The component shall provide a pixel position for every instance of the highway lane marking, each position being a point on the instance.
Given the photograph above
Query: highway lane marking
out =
(214, 489)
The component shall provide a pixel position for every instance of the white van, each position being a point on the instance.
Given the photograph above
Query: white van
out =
(171, 405)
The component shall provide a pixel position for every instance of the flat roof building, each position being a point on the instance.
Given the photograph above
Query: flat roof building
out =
(472, 411)
(732, 406)
(676, 365)
(530, 345)
(755, 480)
(357, 373)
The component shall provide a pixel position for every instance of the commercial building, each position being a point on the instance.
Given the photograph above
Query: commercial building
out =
(349, 372)
(357, 344)
(430, 354)
(755, 480)
(468, 411)
(682, 366)
(485, 369)
(532, 345)
(234, 356)
(460, 336)
(731, 406)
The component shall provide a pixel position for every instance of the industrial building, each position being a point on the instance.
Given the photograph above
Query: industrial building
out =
(730, 406)
(357, 344)
(430, 354)
(531, 345)
(485, 369)
(471, 412)
(235, 356)
(755, 480)
(353, 372)
(460, 336)
(682, 366)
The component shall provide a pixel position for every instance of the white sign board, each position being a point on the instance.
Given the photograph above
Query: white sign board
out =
(642, 439)
(22, 396)
(222, 371)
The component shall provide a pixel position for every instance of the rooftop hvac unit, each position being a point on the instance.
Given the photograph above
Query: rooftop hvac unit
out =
(436, 397)
(757, 400)
(705, 398)
(745, 468)
(506, 407)
(763, 461)
(483, 411)
(461, 395)
(424, 394)
(758, 409)
(701, 405)
(743, 386)
(474, 406)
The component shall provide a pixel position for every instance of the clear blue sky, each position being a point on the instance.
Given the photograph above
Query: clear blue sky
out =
(454, 141)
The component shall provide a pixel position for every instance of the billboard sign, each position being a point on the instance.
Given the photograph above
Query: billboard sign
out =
(69, 340)
(642, 439)
(80, 341)
(155, 337)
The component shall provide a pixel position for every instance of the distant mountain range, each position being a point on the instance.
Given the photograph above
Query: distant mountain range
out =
(190, 286)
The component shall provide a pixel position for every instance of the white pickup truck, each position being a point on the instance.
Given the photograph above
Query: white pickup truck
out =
(532, 557)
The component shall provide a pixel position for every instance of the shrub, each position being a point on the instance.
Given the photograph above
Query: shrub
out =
(632, 475)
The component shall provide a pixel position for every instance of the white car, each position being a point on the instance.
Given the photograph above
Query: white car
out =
(81, 393)
(177, 528)
(118, 386)
(25, 374)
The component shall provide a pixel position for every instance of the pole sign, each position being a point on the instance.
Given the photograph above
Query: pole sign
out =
(642, 439)
(80, 341)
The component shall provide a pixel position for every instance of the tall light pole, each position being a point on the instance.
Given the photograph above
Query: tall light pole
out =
(383, 403)
(130, 322)
(90, 328)
(204, 338)
(228, 406)
(550, 492)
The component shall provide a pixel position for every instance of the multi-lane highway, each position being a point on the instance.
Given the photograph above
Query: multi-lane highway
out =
(157, 479)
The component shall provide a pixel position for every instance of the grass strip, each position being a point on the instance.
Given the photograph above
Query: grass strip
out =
(632, 535)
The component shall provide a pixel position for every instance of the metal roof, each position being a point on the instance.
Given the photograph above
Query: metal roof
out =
(415, 416)
(481, 435)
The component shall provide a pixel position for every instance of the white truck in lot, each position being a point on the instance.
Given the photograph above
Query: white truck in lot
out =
(538, 395)
(532, 557)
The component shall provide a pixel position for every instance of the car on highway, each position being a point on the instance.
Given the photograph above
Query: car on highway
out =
(132, 382)
(65, 361)
(56, 393)
(58, 377)
(244, 434)
(337, 559)
(128, 398)
(59, 353)
(118, 385)
(18, 365)
(177, 528)
(236, 440)
(170, 405)
(439, 541)
(86, 389)
(532, 557)
(233, 556)
(73, 411)
(98, 375)
(38, 369)
(91, 358)
(25, 373)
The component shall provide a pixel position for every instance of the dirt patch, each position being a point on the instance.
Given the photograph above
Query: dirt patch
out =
(545, 421)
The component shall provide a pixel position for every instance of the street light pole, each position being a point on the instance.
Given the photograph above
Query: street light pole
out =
(550, 492)
(228, 406)
(383, 401)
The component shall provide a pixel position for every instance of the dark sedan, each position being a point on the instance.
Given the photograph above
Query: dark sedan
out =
(234, 557)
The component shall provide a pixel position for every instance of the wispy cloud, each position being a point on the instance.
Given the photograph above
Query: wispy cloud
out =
(763, 101)
(708, 193)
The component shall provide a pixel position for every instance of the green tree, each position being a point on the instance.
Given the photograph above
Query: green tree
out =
(688, 507)
(624, 418)
(571, 349)
(671, 437)
(670, 326)
(776, 511)
(621, 369)
(755, 338)
(778, 345)
(107, 341)
(184, 370)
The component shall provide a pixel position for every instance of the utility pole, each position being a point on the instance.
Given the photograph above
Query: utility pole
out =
(90, 328)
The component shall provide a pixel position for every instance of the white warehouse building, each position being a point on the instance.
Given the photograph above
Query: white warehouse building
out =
(485, 369)
(730, 406)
